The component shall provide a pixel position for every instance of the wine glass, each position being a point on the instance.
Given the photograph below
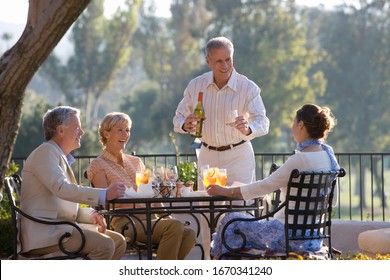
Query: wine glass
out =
(158, 175)
(231, 118)
(222, 177)
(171, 175)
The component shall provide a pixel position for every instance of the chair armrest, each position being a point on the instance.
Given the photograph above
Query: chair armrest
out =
(64, 236)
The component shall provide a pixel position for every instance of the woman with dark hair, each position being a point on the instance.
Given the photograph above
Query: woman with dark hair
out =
(310, 128)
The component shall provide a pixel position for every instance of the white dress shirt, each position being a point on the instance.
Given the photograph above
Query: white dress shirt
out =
(239, 94)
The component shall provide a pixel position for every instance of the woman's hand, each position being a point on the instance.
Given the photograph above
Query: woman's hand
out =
(217, 190)
(98, 219)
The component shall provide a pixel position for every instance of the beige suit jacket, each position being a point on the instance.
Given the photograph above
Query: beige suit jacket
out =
(50, 191)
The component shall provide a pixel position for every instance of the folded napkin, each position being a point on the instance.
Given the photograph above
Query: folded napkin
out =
(195, 194)
(144, 190)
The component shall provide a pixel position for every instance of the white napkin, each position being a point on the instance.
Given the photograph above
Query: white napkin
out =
(144, 190)
(195, 194)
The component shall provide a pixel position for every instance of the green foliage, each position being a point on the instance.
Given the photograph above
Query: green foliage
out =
(6, 235)
(360, 256)
(5, 211)
(357, 69)
(6, 238)
(101, 49)
(272, 48)
(12, 168)
(187, 171)
(295, 54)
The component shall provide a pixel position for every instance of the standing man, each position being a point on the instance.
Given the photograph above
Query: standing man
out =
(224, 90)
(50, 191)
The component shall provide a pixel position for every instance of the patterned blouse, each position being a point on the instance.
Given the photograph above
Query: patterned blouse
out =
(114, 172)
(108, 164)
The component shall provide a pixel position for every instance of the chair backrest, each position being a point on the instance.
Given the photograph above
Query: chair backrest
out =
(308, 205)
(308, 212)
(13, 188)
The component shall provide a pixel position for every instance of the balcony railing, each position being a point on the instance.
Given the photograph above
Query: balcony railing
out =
(363, 194)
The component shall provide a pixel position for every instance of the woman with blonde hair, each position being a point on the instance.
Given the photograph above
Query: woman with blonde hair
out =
(174, 239)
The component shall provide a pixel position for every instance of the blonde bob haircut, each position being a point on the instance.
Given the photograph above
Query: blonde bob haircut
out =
(109, 121)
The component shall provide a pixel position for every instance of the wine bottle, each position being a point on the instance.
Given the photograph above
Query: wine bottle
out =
(199, 111)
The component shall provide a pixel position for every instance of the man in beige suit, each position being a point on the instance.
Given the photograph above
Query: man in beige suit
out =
(50, 191)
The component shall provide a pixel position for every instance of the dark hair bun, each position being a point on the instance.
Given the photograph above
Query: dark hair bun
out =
(319, 121)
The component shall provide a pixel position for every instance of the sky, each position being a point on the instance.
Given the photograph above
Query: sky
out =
(13, 17)
(15, 11)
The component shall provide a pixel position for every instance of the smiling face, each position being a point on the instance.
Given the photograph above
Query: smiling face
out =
(69, 134)
(220, 61)
(117, 137)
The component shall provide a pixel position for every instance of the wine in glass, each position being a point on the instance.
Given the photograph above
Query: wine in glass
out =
(158, 175)
(231, 118)
(171, 175)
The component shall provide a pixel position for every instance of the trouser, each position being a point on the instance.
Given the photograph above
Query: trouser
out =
(175, 241)
(98, 246)
(240, 165)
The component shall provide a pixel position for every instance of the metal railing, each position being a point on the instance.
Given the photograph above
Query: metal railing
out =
(363, 194)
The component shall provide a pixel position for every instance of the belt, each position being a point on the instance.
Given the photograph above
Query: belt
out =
(223, 148)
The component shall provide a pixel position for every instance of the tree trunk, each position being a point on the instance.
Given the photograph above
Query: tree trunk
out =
(47, 22)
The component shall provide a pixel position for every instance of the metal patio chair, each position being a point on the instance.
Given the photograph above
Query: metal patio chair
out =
(308, 212)
(13, 188)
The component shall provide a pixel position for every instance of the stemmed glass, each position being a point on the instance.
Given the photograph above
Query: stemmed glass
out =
(171, 175)
(158, 175)
(231, 118)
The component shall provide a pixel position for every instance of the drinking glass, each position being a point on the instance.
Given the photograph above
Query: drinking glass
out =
(139, 176)
(142, 176)
(201, 171)
(222, 177)
(158, 175)
(232, 115)
(210, 176)
(171, 175)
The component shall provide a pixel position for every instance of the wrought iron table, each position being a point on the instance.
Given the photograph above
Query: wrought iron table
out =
(203, 205)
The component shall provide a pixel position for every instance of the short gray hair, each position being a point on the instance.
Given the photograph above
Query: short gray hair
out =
(217, 43)
(58, 116)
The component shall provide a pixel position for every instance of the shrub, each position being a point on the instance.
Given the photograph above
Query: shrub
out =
(6, 236)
